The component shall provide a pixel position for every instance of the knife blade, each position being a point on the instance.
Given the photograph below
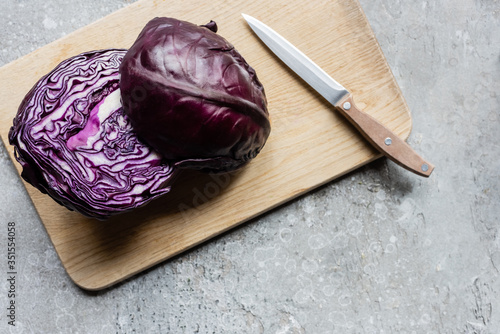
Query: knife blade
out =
(383, 139)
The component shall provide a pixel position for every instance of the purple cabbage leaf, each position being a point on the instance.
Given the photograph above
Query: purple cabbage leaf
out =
(76, 144)
(192, 96)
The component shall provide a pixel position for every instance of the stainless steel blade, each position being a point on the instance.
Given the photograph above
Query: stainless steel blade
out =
(298, 62)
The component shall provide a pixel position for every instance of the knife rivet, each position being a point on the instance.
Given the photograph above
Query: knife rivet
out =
(388, 141)
(425, 167)
(347, 105)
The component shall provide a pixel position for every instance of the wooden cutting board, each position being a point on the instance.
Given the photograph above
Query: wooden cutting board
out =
(310, 143)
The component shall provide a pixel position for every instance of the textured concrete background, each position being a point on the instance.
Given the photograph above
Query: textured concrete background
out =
(379, 251)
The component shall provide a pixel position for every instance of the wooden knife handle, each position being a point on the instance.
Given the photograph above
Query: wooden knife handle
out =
(386, 141)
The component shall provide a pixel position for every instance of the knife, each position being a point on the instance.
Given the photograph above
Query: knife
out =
(383, 139)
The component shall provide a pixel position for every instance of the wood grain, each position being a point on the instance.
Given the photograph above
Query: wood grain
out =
(310, 143)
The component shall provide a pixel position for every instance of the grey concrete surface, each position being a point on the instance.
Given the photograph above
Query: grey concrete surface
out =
(378, 251)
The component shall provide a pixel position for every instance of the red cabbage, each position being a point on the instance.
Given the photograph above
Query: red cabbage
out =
(192, 96)
(76, 144)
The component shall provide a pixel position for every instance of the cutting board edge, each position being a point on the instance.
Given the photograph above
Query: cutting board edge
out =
(63, 38)
(404, 135)
(83, 284)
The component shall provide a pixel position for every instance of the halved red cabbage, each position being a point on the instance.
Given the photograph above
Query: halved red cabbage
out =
(76, 144)
(193, 97)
